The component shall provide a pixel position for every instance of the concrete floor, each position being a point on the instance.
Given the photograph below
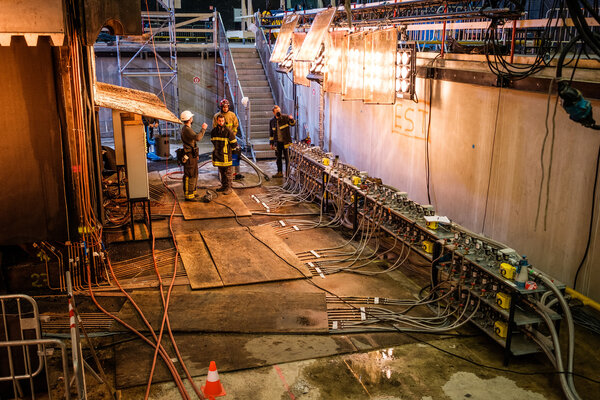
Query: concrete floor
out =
(376, 366)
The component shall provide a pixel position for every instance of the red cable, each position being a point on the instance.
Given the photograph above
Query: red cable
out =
(166, 305)
(163, 354)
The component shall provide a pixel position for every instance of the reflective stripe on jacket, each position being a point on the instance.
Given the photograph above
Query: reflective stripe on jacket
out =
(223, 140)
(284, 127)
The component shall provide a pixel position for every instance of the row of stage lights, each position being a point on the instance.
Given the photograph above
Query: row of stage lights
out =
(405, 67)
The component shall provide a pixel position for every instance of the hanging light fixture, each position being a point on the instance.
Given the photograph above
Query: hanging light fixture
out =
(405, 70)
(287, 64)
(380, 66)
(319, 66)
(282, 45)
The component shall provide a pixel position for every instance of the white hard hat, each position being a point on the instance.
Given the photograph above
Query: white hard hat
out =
(186, 116)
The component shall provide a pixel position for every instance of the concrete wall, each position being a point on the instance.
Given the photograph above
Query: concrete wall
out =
(197, 95)
(33, 200)
(485, 146)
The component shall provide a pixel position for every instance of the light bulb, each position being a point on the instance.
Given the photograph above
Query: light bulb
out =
(398, 85)
(404, 72)
(405, 57)
(405, 85)
(398, 71)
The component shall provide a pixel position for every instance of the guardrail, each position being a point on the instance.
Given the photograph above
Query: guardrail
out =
(273, 77)
(241, 103)
(27, 356)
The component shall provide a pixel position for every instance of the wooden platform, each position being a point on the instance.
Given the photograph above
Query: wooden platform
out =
(232, 352)
(241, 351)
(200, 210)
(198, 264)
(233, 311)
(242, 259)
(232, 256)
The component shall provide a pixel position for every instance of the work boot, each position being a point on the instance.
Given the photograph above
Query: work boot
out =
(227, 191)
(192, 199)
(221, 189)
(278, 175)
(238, 177)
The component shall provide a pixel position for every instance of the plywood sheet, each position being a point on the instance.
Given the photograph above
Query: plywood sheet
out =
(197, 262)
(242, 259)
(234, 311)
(231, 352)
(200, 210)
(132, 100)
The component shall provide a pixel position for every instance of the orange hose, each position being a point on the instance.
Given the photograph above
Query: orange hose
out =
(87, 219)
(166, 304)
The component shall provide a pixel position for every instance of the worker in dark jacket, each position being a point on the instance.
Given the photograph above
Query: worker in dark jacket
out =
(190, 161)
(224, 143)
(232, 123)
(280, 140)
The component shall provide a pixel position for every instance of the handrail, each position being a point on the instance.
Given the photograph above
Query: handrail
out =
(273, 77)
(235, 90)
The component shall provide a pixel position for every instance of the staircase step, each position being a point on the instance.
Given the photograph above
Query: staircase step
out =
(262, 154)
(249, 49)
(246, 62)
(256, 90)
(258, 127)
(254, 83)
(257, 114)
(256, 122)
(256, 100)
(260, 135)
(267, 108)
(245, 57)
(261, 146)
(251, 70)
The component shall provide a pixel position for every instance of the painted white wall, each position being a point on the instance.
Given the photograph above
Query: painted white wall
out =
(480, 137)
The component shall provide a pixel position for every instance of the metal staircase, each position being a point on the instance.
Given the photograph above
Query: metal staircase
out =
(255, 86)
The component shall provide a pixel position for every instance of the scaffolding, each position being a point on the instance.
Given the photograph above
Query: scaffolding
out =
(150, 63)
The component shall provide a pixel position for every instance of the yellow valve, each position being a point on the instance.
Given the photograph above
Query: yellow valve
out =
(427, 246)
(503, 300)
(356, 180)
(501, 329)
(326, 161)
(507, 270)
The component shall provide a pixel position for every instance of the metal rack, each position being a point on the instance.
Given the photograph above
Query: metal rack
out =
(155, 25)
(458, 257)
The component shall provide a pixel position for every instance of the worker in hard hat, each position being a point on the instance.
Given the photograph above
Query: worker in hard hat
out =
(280, 138)
(224, 143)
(191, 153)
(231, 122)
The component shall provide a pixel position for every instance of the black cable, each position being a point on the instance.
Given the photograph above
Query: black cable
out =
(487, 194)
(399, 330)
(427, 167)
(427, 134)
(591, 227)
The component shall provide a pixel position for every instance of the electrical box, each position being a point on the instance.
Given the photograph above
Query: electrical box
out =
(134, 140)
(428, 246)
(503, 300)
(507, 271)
(501, 329)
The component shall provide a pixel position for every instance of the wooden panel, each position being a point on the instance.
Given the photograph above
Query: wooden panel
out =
(200, 210)
(242, 259)
(198, 265)
(231, 352)
(234, 311)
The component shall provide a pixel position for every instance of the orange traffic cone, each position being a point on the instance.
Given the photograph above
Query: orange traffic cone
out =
(213, 386)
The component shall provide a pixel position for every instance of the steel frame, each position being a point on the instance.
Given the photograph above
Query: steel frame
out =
(155, 22)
